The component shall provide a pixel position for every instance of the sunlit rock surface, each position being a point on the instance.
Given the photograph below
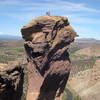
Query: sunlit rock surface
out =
(47, 39)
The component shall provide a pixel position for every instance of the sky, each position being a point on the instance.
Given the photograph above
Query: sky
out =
(83, 15)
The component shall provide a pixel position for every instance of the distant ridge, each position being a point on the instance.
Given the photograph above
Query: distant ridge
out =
(10, 37)
(87, 40)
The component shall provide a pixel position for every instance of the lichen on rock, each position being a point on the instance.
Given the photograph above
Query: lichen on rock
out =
(47, 39)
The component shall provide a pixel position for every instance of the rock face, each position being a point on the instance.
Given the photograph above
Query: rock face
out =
(11, 81)
(47, 40)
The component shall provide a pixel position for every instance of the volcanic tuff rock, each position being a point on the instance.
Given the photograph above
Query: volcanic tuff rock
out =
(47, 40)
(11, 81)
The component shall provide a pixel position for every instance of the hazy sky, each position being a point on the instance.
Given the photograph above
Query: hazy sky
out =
(84, 15)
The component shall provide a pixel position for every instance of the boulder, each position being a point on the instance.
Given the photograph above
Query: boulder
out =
(47, 39)
(11, 81)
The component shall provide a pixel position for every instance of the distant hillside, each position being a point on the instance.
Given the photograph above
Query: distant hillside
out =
(8, 43)
(87, 40)
(11, 50)
(10, 37)
(90, 51)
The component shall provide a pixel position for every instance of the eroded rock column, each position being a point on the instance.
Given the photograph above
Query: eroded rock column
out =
(47, 39)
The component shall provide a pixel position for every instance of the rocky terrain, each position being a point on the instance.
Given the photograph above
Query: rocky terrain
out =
(47, 39)
(87, 83)
(11, 81)
(49, 63)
